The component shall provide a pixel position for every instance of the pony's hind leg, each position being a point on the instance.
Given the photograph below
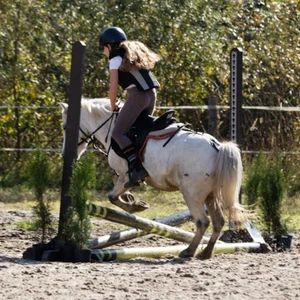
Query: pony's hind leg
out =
(218, 223)
(196, 207)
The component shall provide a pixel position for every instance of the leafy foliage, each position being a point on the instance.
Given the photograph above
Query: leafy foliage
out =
(194, 38)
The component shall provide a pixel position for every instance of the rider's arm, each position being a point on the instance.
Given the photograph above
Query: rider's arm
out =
(113, 88)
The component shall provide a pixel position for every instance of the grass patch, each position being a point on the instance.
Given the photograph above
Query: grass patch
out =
(26, 225)
(20, 198)
(162, 204)
(291, 211)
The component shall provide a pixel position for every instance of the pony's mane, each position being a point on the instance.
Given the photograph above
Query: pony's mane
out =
(104, 102)
(98, 101)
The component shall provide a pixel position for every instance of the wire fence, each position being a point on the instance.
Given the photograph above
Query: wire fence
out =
(198, 107)
(270, 108)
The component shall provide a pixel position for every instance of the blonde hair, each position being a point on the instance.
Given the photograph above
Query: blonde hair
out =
(137, 56)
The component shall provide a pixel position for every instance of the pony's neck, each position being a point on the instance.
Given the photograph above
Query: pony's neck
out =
(100, 115)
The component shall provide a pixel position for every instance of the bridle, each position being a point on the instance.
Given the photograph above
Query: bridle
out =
(91, 139)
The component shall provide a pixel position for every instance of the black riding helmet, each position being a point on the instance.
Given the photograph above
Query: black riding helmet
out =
(112, 35)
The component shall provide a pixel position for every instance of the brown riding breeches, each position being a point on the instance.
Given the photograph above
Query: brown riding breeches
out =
(136, 103)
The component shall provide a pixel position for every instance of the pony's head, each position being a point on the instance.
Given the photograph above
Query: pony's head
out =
(88, 121)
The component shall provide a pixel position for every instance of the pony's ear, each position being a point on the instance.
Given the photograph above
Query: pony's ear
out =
(64, 106)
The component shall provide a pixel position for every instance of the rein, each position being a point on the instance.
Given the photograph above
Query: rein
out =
(90, 138)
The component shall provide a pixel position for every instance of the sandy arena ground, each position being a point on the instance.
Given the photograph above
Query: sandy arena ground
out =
(225, 276)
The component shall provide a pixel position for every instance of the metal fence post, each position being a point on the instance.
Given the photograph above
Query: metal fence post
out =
(236, 72)
(236, 85)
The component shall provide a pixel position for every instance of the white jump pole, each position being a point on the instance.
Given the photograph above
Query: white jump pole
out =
(157, 252)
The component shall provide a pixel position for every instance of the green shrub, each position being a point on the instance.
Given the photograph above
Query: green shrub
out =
(272, 189)
(254, 179)
(77, 224)
(39, 180)
(265, 185)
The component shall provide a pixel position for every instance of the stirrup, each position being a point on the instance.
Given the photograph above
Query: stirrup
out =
(135, 177)
(130, 184)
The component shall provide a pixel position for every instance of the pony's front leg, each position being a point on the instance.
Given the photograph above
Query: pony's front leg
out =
(122, 198)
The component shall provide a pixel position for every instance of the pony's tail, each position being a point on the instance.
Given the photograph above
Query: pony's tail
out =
(228, 172)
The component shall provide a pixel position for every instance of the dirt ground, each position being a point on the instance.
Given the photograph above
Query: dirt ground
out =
(275, 275)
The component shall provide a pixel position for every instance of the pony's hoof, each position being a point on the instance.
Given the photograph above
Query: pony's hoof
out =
(185, 254)
(203, 256)
(135, 207)
(140, 206)
(127, 197)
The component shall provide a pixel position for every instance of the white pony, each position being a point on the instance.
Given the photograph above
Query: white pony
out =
(207, 173)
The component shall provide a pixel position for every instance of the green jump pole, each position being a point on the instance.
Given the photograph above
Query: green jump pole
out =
(140, 223)
(157, 252)
(132, 233)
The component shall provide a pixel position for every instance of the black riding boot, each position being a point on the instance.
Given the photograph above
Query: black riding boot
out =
(136, 171)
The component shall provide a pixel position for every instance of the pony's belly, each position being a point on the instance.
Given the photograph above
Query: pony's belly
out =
(161, 185)
(162, 182)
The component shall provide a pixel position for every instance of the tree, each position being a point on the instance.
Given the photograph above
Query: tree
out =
(194, 38)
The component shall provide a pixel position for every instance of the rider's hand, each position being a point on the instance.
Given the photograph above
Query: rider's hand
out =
(115, 108)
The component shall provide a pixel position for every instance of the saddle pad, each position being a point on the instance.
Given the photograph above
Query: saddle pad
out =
(159, 135)
(168, 130)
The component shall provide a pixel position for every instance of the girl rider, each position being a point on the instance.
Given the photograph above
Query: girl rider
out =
(130, 64)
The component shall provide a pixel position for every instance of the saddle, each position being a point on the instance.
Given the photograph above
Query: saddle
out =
(141, 128)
